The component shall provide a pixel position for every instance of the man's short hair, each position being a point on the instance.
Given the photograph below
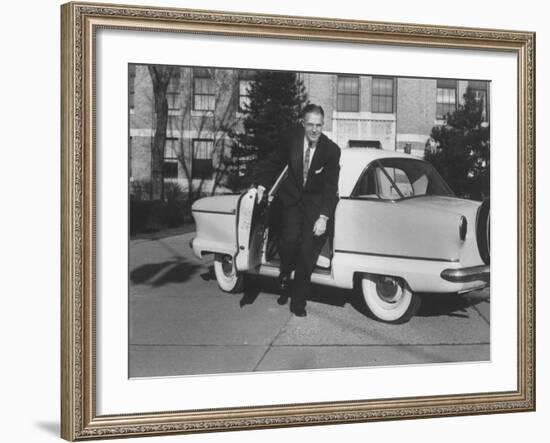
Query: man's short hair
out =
(313, 109)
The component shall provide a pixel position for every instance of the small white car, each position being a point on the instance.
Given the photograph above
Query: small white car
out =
(398, 231)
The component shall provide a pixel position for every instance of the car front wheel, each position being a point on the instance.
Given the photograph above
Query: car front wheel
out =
(229, 280)
(389, 299)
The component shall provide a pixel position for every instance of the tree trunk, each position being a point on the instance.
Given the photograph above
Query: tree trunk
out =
(160, 75)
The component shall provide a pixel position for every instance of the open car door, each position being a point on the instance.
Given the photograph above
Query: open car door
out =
(252, 225)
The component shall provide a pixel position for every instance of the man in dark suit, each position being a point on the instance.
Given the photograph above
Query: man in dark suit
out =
(308, 197)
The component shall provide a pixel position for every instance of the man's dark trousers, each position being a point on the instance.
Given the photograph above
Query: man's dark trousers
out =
(298, 250)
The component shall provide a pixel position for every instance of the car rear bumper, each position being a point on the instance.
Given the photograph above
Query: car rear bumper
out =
(466, 275)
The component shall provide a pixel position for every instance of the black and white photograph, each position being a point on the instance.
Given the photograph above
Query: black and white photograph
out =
(285, 221)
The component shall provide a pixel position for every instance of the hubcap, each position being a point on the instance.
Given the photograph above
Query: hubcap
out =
(227, 266)
(389, 289)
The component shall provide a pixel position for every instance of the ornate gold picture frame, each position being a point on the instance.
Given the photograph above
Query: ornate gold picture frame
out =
(80, 22)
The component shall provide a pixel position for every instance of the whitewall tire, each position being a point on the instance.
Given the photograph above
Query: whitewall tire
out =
(389, 299)
(229, 280)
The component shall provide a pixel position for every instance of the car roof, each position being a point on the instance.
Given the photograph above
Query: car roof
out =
(354, 160)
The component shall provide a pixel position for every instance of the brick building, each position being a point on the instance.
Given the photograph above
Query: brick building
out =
(361, 111)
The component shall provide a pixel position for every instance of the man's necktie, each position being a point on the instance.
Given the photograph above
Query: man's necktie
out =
(306, 161)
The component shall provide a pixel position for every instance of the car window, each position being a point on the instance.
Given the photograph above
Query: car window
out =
(377, 182)
(398, 178)
(367, 186)
(391, 181)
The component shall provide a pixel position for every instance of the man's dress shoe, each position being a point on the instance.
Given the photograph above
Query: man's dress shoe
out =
(284, 286)
(298, 312)
(283, 299)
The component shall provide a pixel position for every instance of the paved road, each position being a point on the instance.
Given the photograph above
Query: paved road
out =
(181, 323)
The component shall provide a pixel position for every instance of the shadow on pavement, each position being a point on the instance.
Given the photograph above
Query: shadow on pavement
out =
(177, 270)
(252, 288)
(451, 305)
(433, 305)
(209, 275)
(319, 294)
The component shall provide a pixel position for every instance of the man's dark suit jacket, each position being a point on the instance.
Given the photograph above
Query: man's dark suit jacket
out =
(320, 193)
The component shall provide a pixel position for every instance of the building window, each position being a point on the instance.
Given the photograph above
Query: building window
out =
(479, 89)
(446, 98)
(170, 166)
(204, 90)
(173, 91)
(244, 98)
(382, 95)
(245, 79)
(348, 94)
(202, 166)
(131, 85)
(174, 121)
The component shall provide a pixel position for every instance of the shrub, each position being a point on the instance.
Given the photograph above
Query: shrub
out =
(141, 189)
(153, 215)
(173, 191)
(462, 154)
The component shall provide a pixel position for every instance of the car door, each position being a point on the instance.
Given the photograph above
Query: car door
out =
(252, 225)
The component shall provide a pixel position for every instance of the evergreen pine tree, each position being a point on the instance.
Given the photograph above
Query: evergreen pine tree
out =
(462, 156)
(275, 102)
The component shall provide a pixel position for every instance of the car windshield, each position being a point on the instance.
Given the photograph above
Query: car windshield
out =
(398, 178)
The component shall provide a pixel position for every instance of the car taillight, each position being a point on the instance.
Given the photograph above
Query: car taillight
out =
(462, 228)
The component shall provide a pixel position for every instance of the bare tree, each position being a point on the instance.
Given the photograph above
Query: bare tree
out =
(213, 125)
(160, 76)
